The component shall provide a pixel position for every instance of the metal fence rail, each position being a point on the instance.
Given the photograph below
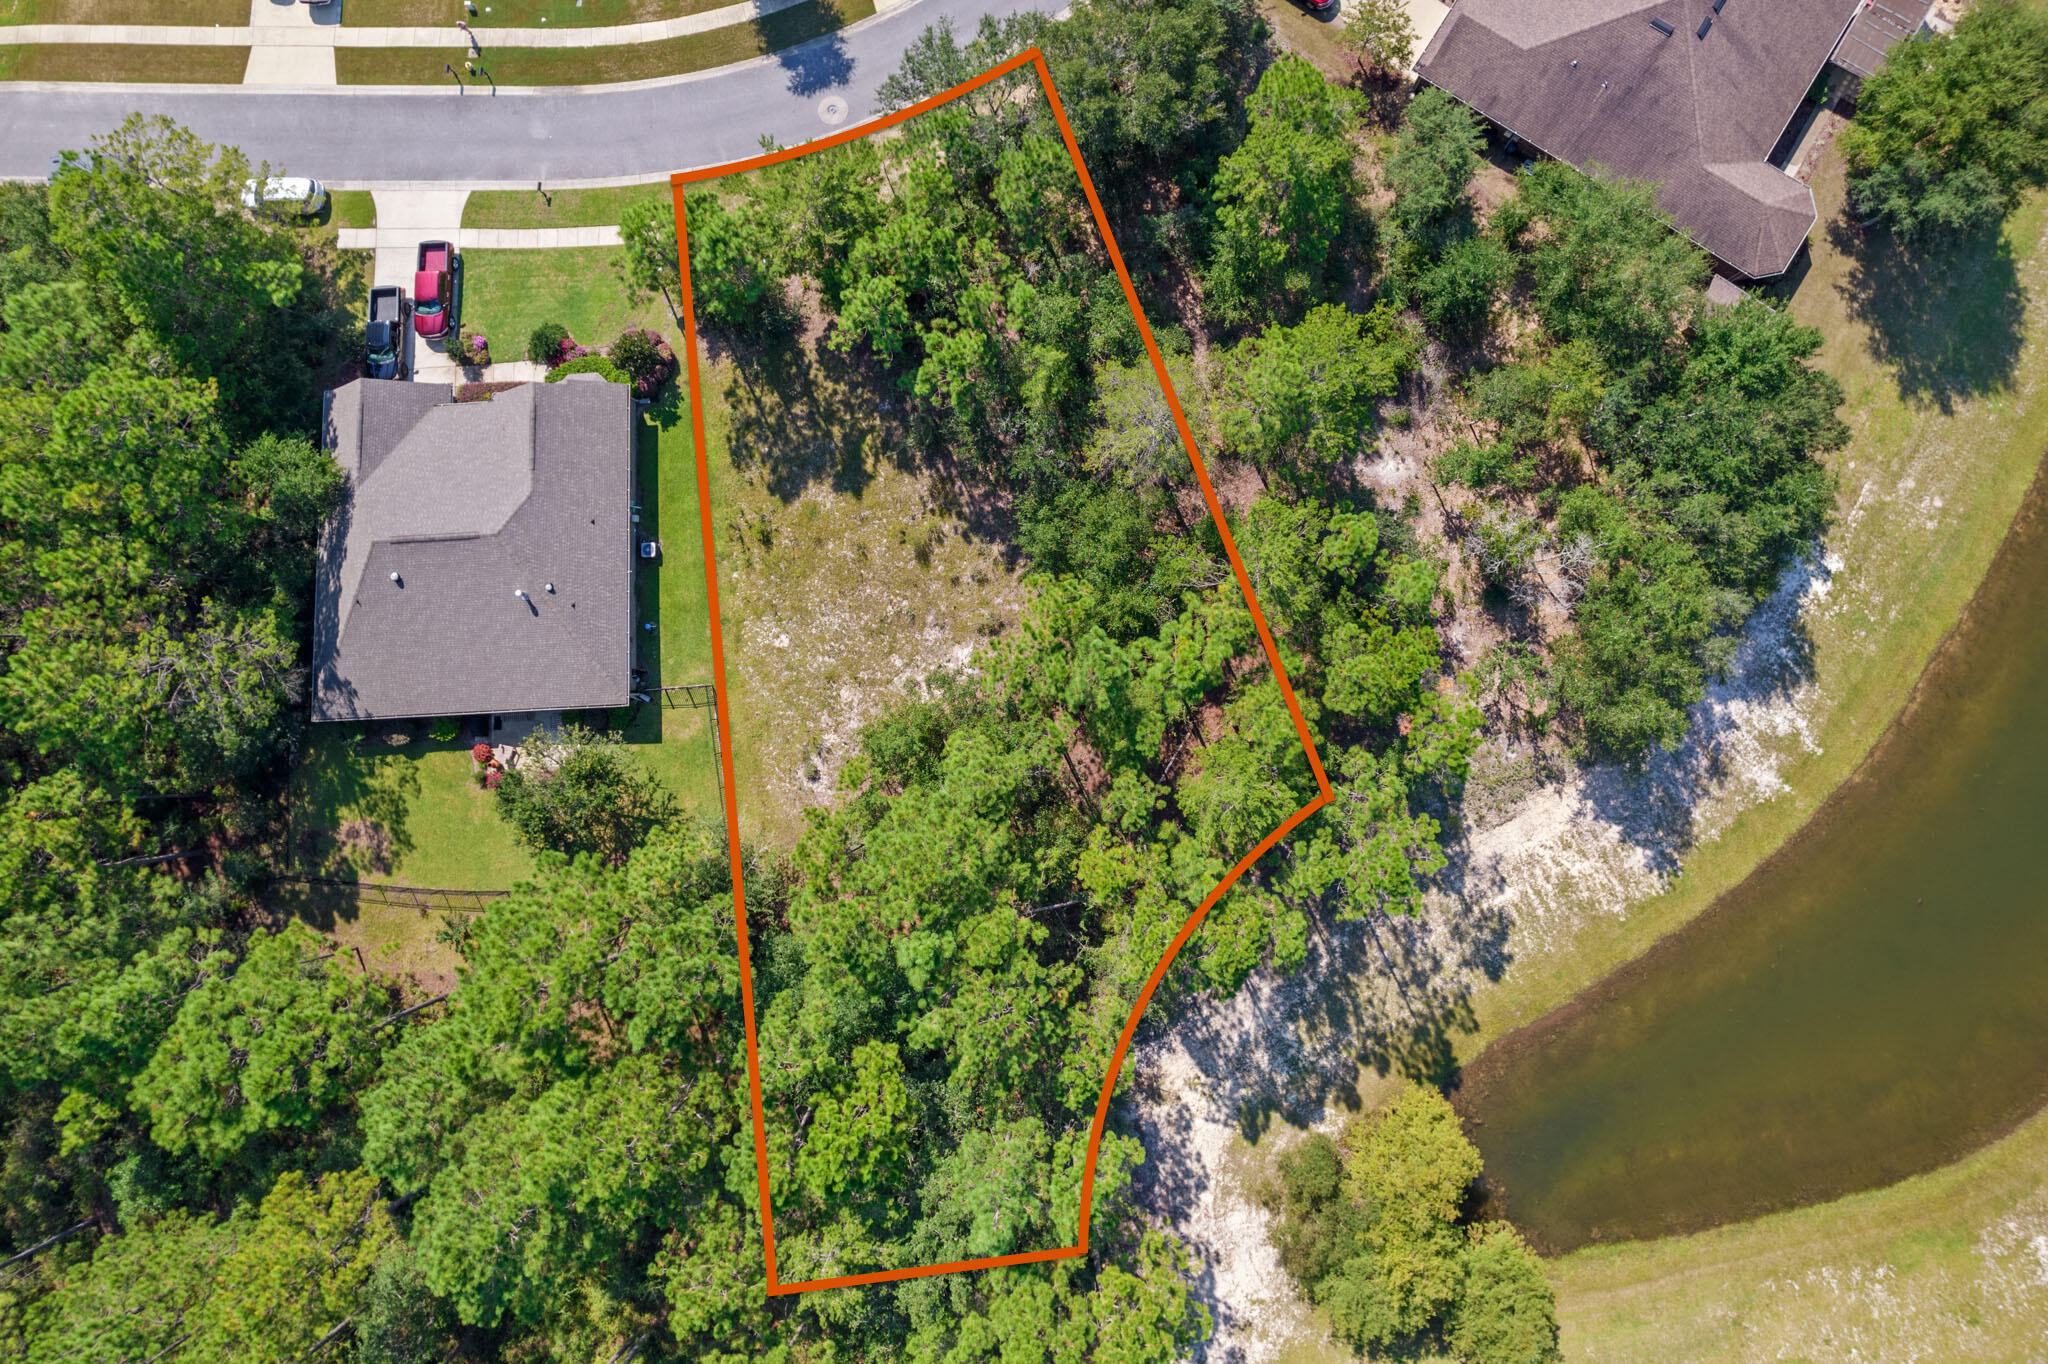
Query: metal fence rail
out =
(404, 897)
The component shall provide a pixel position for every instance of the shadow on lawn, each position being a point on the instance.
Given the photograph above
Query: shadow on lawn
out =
(1946, 319)
(351, 818)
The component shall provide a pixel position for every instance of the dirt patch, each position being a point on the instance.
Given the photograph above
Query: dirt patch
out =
(365, 843)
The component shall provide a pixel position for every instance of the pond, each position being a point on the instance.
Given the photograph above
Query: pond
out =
(1870, 1003)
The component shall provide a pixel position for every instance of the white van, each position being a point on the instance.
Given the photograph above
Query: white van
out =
(301, 195)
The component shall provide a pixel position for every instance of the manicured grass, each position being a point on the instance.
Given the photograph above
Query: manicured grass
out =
(509, 293)
(1944, 1266)
(517, 13)
(520, 208)
(138, 63)
(674, 735)
(234, 12)
(409, 814)
(602, 65)
(351, 208)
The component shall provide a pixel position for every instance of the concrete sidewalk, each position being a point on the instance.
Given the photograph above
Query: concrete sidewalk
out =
(286, 45)
(297, 26)
(475, 238)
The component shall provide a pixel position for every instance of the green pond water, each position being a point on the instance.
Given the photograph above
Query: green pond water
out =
(1870, 1003)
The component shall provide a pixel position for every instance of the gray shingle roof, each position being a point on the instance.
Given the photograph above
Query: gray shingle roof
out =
(468, 502)
(1698, 115)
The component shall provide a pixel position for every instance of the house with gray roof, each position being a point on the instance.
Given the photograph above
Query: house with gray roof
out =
(1692, 94)
(482, 559)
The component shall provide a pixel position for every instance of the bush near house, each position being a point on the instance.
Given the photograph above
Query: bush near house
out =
(646, 358)
(546, 344)
(588, 364)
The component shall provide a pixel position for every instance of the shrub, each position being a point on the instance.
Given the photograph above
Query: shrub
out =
(588, 364)
(443, 730)
(544, 347)
(578, 791)
(646, 359)
(470, 348)
(481, 752)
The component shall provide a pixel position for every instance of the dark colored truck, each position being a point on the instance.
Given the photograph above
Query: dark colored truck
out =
(437, 290)
(384, 334)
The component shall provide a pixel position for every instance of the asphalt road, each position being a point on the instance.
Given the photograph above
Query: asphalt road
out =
(359, 134)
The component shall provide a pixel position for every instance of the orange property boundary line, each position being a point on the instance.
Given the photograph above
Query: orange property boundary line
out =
(1323, 796)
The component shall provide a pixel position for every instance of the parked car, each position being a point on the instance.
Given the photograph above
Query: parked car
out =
(384, 334)
(304, 197)
(437, 290)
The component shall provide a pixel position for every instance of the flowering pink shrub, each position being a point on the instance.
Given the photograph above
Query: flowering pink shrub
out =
(481, 752)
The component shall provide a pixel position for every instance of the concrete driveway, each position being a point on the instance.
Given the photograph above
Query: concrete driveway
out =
(392, 135)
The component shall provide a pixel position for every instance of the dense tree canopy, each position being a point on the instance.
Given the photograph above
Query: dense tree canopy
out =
(1954, 128)
(1372, 1230)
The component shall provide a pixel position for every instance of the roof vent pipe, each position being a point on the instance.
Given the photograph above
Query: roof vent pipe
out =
(520, 593)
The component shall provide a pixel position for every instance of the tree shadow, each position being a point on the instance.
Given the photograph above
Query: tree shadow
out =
(1947, 320)
(1652, 804)
(804, 414)
(351, 815)
(816, 66)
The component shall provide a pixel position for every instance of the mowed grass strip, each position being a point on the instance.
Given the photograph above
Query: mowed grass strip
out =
(506, 294)
(604, 65)
(1943, 1266)
(205, 12)
(523, 208)
(124, 63)
(516, 13)
(351, 208)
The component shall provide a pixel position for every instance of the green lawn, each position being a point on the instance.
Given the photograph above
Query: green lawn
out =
(506, 294)
(517, 13)
(365, 809)
(202, 12)
(674, 738)
(602, 65)
(520, 208)
(351, 208)
(126, 63)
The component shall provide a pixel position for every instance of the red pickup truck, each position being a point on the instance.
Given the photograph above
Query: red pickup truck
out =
(437, 290)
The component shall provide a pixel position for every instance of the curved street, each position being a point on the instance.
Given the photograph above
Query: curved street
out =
(364, 135)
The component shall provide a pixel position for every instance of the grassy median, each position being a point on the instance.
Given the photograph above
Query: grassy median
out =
(205, 12)
(604, 65)
(517, 13)
(523, 208)
(123, 63)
